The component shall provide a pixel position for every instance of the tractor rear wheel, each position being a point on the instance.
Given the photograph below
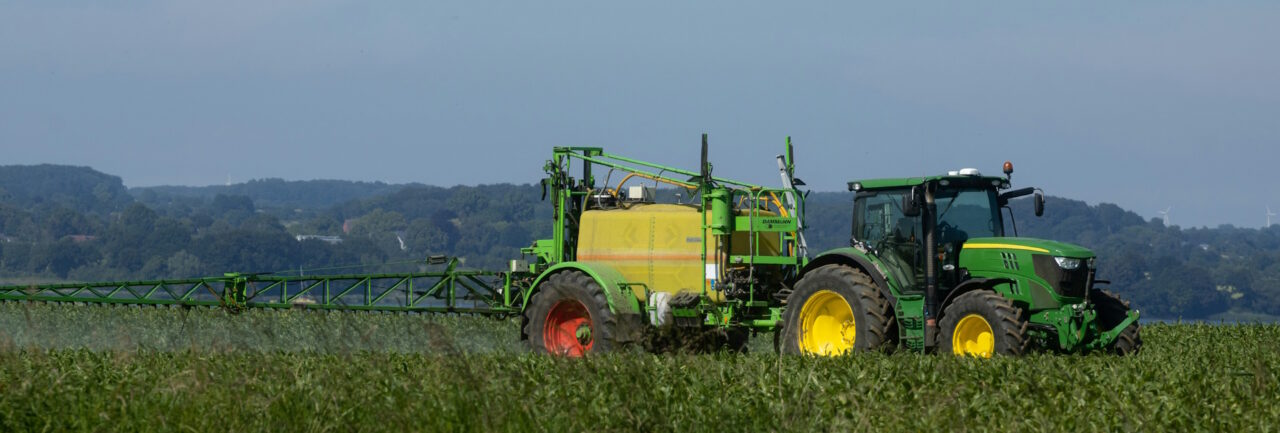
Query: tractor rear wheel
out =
(981, 324)
(569, 316)
(1111, 311)
(834, 310)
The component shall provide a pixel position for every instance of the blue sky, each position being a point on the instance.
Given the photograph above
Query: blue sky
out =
(1146, 104)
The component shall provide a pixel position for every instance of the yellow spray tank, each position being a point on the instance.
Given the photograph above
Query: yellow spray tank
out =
(661, 245)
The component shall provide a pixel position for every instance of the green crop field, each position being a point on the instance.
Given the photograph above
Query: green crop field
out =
(79, 368)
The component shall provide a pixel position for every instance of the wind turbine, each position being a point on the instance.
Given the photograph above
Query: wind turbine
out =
(1269, 215)
(1165, 214)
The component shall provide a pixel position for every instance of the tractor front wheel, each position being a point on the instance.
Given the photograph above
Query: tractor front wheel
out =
(569, 316)
(981, 324)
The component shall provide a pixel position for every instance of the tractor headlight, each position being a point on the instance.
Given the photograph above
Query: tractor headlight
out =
(1067, 263)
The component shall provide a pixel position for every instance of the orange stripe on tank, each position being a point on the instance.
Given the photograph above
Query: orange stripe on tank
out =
(637, 257)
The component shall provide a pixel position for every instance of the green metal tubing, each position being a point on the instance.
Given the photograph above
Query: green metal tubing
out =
(603, 159)
(251, 291)
(486, 310)
(660, 167)
(436, 288)
(308, 289)
(389, 290)
(350, 288)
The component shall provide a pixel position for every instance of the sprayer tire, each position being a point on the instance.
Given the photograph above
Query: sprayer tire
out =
(564, 305)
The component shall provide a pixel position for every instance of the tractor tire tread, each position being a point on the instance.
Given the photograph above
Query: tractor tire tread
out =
(872, 310)
(570, 285)
(1008, 321)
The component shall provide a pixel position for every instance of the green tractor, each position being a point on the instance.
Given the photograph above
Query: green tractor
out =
(931, 267)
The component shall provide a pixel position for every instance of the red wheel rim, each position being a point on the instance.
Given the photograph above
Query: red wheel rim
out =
(568, 329)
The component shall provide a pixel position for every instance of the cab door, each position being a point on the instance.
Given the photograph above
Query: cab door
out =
(897, 239)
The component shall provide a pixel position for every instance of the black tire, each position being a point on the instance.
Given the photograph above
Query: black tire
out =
(1111, 311)
(874, 321)
(564, 288)
(1008, 328)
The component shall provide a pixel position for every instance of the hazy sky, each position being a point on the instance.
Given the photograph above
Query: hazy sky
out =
(1147, 104)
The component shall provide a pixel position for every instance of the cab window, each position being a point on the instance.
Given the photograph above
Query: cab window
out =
(878, 223)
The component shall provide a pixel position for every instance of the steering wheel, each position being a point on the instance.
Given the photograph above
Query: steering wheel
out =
(949, 233)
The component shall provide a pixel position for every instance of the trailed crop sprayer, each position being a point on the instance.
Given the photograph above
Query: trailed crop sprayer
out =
(929, 266)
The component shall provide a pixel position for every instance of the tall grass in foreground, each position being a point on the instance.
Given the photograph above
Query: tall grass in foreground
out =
(300, 371)
(129, 328)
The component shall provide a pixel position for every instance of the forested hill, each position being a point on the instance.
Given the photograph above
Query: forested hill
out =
(269, 193)
(73, 223)
(61, 186)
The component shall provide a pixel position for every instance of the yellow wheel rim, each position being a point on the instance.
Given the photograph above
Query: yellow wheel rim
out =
(826, 325)
(973, 337)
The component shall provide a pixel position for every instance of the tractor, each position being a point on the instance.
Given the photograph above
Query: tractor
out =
(931, 267)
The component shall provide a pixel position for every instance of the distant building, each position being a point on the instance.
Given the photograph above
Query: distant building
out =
(327, 239)
(82, 238)
(346, 226)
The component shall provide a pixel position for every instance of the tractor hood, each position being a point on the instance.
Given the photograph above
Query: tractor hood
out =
(1053, 248)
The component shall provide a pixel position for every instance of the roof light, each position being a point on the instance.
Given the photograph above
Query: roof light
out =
(1008, 168)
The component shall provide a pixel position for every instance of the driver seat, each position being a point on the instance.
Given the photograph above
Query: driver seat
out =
(905, 251)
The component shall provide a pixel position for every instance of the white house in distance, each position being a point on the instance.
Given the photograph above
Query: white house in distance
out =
(327, 239)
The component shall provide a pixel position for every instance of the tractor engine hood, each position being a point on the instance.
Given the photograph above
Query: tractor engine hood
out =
(1033, 245)
(1062, 268)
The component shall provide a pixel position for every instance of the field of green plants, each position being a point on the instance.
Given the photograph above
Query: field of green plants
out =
(81, 368)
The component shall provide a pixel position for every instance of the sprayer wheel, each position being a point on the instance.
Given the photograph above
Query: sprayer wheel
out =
(569, 316)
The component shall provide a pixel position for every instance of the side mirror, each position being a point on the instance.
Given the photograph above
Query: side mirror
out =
(911, 203)
(1004, 198)
(1039, 204)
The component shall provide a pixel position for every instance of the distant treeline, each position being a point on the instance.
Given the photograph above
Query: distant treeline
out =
(73, 223)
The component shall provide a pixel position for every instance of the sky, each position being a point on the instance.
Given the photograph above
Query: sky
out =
(1146, 104)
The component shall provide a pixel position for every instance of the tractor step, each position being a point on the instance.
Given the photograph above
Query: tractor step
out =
(910, 327)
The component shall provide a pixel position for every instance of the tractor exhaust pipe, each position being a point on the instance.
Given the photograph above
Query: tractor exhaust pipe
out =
(705, 170)
(930, 269)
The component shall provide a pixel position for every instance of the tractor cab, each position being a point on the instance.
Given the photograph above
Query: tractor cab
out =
(888, 220)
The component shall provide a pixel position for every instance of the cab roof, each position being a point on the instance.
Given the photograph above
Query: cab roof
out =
(906, 182)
